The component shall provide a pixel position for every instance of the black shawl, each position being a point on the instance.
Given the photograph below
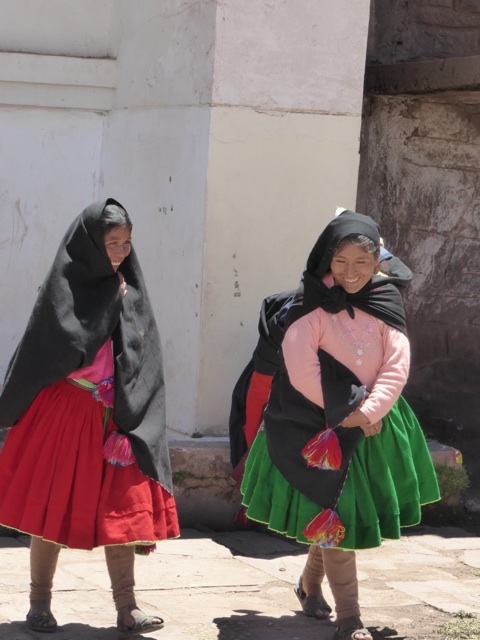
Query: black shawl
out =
(291, 420)
(265, 360)
(78, 308)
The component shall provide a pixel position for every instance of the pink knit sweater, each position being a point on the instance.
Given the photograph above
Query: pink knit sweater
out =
(378, 354)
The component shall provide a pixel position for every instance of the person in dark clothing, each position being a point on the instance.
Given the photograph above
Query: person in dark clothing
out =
(86, 462)
(340, 461)
(251, 391)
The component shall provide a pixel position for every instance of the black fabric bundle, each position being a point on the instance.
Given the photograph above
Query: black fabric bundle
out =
(291, 420)
(78, 308)
(265, 360)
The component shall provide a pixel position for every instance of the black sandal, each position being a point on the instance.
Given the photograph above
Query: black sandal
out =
(312, 606)
(350, 632)
(39, 621)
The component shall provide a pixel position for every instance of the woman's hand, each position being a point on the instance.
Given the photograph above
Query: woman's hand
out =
(123, 284)
(373, 429)
(359, 419)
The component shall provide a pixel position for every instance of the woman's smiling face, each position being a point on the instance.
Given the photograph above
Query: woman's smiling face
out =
(118, 243)
(352, 267)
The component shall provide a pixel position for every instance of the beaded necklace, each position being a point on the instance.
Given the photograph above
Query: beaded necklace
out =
(358, 343)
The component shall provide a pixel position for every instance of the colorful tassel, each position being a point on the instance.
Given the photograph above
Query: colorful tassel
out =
(323, 451)
(117, 450)
(103, 392)
(326, 530)
(145, 549)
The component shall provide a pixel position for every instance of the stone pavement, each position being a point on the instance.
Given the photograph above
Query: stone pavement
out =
(238, 586)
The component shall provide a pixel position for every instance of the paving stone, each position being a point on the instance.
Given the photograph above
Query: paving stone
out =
(383, 598)
(450, 596)
(239, 586)
(448, 538)
(204, 546)
(472, 558)
(285, 568)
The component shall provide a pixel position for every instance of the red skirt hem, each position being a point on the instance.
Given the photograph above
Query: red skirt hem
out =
(55, 484)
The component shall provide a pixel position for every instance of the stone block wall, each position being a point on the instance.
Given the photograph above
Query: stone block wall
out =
(420, 178)
(401, 31)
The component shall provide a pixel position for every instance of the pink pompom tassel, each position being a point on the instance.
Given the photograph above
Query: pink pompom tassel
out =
(323, 451)
(326, 529)
(117, 450)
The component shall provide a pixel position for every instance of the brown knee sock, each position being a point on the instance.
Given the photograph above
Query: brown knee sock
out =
(341, 571)
(43, 562)
(313, 572)
(120, 563)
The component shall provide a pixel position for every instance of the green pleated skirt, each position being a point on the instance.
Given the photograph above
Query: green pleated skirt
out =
(390, 476)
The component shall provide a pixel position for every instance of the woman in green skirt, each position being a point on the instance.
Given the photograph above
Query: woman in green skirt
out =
(341, 461)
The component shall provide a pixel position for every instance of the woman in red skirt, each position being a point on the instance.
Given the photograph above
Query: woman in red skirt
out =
(86, 463)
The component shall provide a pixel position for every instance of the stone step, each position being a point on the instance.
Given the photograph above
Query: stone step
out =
(207, 495)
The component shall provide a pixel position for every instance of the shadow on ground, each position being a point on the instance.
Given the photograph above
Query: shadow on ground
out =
(252, 625)
(259, 544)
(18, 630)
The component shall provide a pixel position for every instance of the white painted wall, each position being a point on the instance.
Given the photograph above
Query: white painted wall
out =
(150, 152)
(296, 55)
(57, 27)
(228, 129)
(49, 171)
(50, 152)
(164, 52)
(283, 154)
(275, 179)
(155, 162)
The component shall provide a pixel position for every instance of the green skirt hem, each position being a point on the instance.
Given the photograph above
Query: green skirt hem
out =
(391, 476)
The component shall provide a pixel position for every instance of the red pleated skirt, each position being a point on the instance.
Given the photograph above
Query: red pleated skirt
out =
(55, 483)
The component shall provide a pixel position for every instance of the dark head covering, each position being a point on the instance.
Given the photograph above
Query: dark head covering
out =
(78, 308)
(346, 224)
(291, 420)
(380, 297)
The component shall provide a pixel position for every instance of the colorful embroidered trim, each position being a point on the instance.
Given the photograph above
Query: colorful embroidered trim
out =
(102, 392)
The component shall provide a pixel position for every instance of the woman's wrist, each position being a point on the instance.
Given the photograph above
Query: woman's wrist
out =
(356, 419)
